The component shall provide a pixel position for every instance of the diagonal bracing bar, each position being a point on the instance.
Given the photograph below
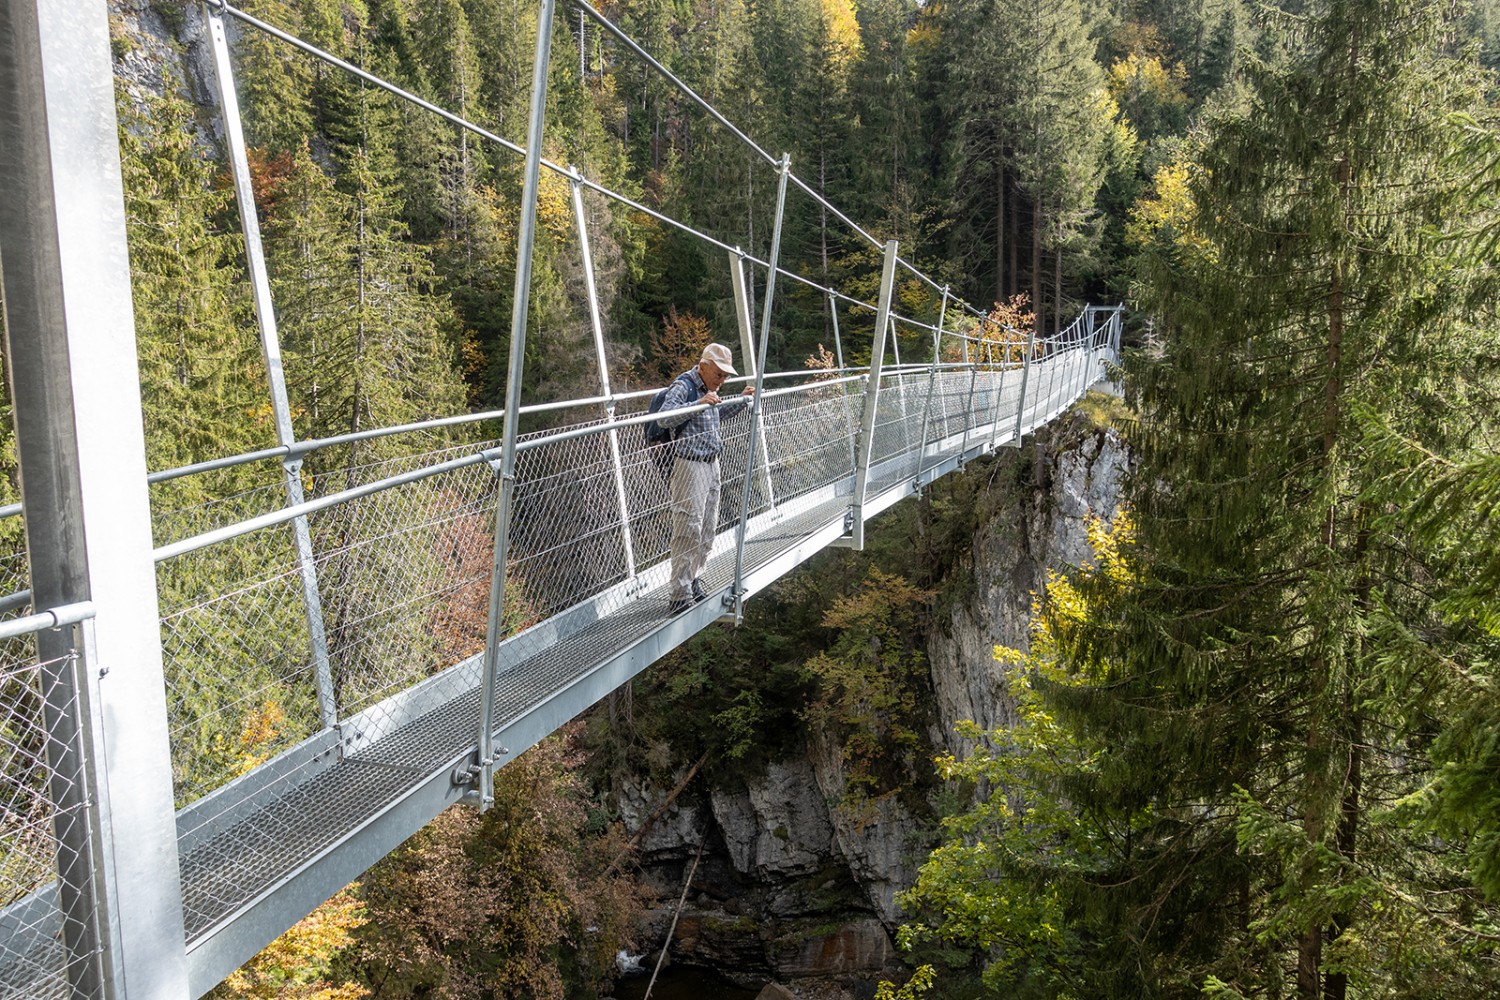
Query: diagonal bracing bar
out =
(270, 342)
(597, 326)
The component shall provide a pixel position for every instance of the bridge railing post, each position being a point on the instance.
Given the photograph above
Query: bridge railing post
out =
(70, 345)
(838, 357)
(737, 599)
(747, 353)
(520, 308)
(596, 326)
(937, 343)
(1091, 347)
(270, 342)
(1025, 379)
(999, 394)
(872, 399)
(969, 407)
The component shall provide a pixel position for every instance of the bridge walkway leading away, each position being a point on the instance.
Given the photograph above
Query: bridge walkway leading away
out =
(251, 678)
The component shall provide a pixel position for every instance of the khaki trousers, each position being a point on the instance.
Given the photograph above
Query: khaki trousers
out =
(695, 520)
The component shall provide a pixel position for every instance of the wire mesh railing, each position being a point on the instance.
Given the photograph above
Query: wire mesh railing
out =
(404, 570)
(49, 933)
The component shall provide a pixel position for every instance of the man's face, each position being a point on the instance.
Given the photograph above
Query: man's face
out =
(712, 377)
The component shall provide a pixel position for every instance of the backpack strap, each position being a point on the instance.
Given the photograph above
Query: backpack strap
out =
(686, 378)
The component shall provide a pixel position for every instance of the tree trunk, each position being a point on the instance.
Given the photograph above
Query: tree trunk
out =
(1309, 957)
(1057, 317)
(1000, 197)
(1037, 304)
(1014, 283)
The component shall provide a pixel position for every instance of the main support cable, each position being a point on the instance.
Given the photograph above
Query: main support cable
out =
(572, 174)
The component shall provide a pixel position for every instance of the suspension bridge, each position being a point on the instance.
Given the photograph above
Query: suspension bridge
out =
(394, 630)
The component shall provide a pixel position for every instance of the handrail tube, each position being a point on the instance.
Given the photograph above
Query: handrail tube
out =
(58, 617)
(757, 426)
(520, 310)
(11, 602)
(302, 448)
(275, 517)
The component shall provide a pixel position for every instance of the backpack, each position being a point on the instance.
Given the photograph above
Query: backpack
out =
(659, 439)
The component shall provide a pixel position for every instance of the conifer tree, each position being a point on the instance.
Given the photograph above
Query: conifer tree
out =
(203, 387)
(1243, 698)
(1242, 751)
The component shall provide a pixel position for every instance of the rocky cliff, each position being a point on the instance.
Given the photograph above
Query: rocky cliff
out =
(790, 886)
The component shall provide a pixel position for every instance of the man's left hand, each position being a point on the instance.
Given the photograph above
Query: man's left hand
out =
(749, 390)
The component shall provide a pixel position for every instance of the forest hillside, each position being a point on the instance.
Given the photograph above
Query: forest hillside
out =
(1248, 741)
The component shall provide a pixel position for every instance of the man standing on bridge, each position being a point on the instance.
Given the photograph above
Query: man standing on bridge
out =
(695, 470)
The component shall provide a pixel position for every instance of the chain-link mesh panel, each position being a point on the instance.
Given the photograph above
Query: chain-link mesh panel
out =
(15, 573)
(237, 658)
(44, 829)
(405, 576)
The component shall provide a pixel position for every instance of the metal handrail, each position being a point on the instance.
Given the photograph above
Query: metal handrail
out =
(66, 614)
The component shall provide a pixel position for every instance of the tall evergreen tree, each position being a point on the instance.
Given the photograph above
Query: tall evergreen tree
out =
(1237, 806)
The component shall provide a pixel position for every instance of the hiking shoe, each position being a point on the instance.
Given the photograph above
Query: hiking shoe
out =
(677, 607)
(699, 594)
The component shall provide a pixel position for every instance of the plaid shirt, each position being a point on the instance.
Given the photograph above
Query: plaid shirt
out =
(698, 436)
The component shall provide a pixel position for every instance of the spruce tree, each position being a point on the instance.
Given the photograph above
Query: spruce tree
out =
(1240, 755)
(1245, 674)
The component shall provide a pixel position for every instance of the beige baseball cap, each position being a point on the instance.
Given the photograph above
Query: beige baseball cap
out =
(720, 356)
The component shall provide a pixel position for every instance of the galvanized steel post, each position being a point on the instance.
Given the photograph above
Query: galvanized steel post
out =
(756, 428)
(1025, 378)
(596, 325)
(971, 419)
(521, 306)
(872, 399)
(71, 349)
(270, 342)
(937, 342)
(999, 396)
(747, 354)
(838, 357)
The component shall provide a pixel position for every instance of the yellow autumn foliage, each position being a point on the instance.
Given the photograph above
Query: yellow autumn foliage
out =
(293, 966)
(1168, 215)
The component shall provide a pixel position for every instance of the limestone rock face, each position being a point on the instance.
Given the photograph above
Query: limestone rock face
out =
(673, 834)
(792, 886)
(858, 948)
(780, 825)
(876, 844)
(1045, 527)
